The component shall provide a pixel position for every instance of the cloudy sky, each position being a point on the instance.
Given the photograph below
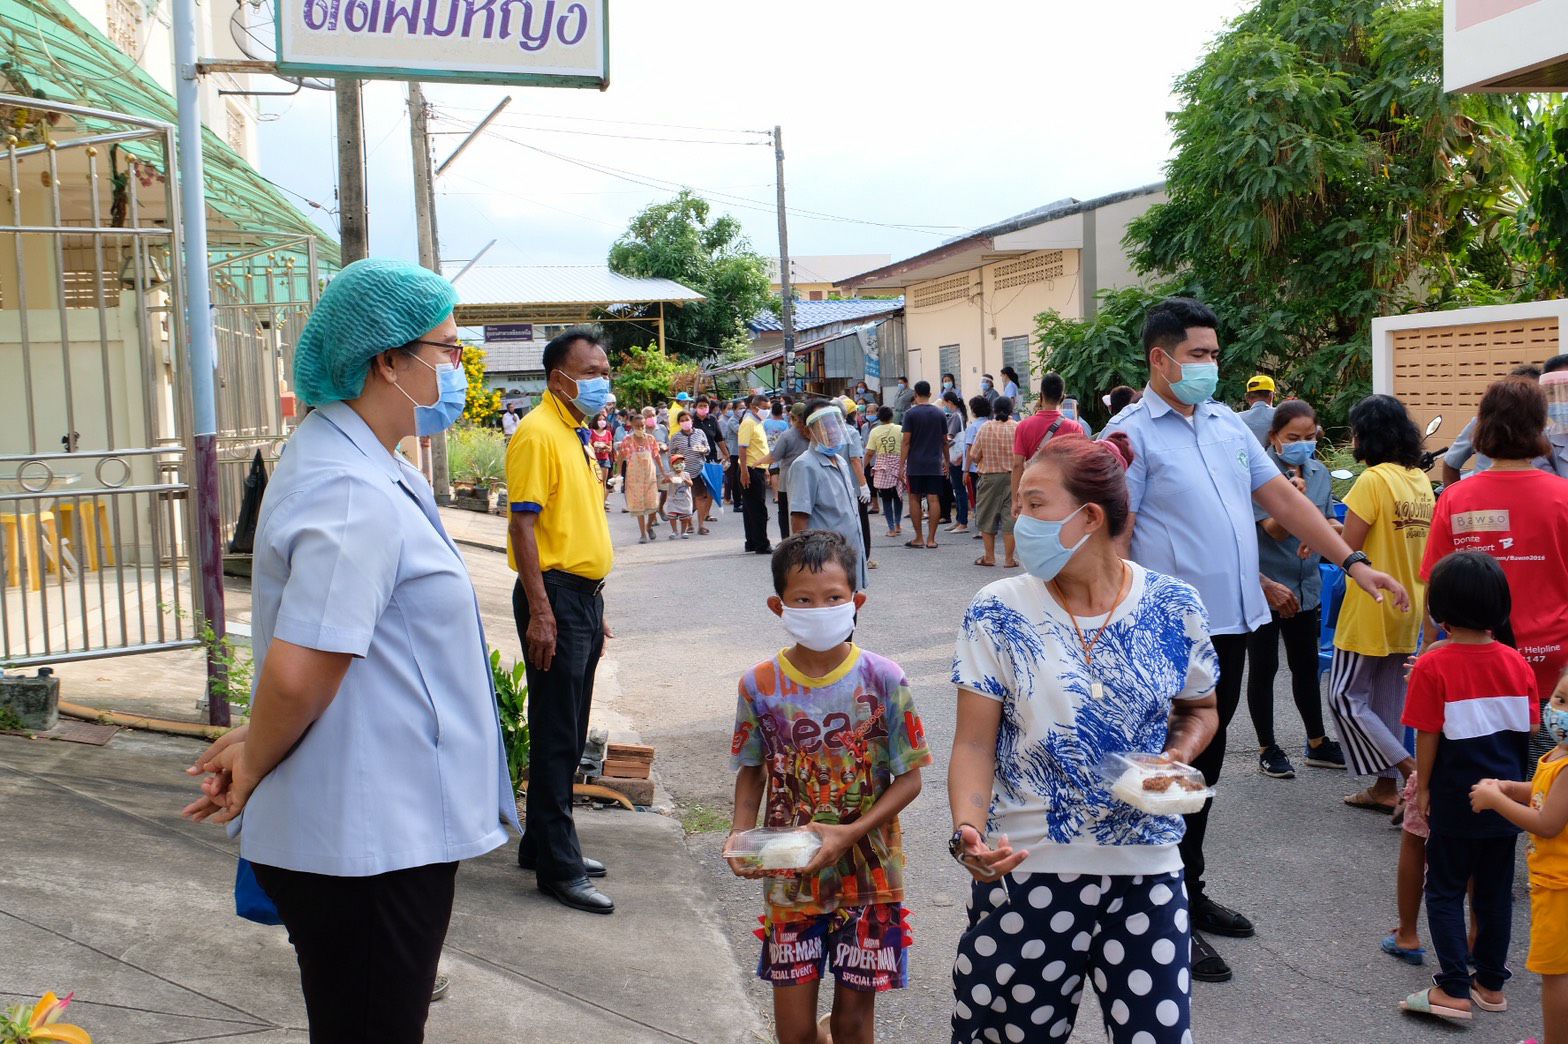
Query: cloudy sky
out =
(904, 123)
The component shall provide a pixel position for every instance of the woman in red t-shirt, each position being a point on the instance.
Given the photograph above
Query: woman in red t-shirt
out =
(1518, 514)
(602, 440)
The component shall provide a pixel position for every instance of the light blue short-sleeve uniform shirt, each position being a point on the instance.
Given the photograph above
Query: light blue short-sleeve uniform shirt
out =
(1191, 486)
(821, 486)
(405, 767)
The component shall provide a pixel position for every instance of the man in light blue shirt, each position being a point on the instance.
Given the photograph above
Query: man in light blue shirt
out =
(1259, 414)
(1195, 474)
(1463, 449)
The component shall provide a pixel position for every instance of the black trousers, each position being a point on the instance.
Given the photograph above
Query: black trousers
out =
(754, 510)
(946, 498)
(1451, 864)
(559, 701)
(1300, 633)
(1232, 652)
(367, 948)
(783, 512)
(865, 528)
(732, 482)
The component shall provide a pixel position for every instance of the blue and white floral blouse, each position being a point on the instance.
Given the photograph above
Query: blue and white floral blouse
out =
(1018, 646)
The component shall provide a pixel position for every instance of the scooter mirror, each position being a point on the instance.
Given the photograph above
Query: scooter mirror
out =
(1433, 425)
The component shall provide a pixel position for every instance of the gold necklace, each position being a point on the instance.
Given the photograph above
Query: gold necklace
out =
(1096, 687)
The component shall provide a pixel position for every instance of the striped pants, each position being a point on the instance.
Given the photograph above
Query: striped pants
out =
(1367, 696)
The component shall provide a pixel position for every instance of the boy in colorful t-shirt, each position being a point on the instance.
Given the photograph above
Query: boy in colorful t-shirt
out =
(827, 733)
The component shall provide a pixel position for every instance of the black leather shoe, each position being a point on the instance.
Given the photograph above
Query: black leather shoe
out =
(1215, 919)
(579, 895)
(1207, 964)
(591, 867)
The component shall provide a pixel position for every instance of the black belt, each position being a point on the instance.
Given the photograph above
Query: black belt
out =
(573, 582)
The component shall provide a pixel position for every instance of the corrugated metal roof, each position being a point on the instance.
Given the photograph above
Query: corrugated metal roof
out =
(563, 284)
(515, 357)
(811, 314)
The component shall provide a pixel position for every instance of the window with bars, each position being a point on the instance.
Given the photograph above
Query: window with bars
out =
(81, 276)
(940, 291)
(948, 355)
(1015, 353)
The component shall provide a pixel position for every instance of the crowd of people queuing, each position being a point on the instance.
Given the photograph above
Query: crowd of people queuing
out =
(1156, 559)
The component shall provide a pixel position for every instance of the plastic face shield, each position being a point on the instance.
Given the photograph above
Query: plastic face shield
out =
(827, 426)
(1555, 387)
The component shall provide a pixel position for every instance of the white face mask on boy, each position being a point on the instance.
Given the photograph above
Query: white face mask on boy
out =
(820, 629)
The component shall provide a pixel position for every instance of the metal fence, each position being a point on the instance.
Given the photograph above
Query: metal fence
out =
(95, 511)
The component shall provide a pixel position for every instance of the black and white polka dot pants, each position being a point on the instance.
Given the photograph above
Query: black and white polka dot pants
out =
(1035, 940)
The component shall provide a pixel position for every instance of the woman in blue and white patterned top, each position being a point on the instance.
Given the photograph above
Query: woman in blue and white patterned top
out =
(1087, 655)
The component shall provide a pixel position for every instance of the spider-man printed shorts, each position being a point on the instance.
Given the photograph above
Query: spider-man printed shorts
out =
(865, 947)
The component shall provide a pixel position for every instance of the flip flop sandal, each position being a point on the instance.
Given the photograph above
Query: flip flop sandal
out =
(1010, 565)
(914, 544)
(1486, 1005)
(1420, 1003)
(1361, 801)
(1415, 955)
(983, 562)
(932, 547)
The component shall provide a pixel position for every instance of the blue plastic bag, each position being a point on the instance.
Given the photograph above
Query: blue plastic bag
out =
(250, 900)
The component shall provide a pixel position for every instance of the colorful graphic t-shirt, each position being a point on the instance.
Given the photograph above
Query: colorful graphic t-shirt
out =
(830, 747)
(1519, 518)
(1397, 503)
(1481, 700)
(1018, 645)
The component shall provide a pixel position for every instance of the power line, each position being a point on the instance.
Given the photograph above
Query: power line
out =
(619, 137)
(630, 123)
(648, 181)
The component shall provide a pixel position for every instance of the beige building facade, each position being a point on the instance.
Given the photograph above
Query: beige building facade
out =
(971, 303)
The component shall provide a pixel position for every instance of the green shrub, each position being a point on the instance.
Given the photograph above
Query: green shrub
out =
(476, 455)
(511, 695)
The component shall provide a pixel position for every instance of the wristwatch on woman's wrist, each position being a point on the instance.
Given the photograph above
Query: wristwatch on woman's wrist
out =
(1356, 558)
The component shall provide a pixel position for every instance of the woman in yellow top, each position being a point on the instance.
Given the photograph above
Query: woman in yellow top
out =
(883, 443)
(1389, 516)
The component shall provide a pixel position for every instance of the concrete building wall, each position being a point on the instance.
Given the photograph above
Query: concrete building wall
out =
(1112, 268)
(978, 309)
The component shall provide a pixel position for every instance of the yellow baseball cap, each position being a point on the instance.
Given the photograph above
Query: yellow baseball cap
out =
(1260, 383)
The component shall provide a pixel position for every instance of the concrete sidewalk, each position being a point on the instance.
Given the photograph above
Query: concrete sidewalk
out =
(104, 890)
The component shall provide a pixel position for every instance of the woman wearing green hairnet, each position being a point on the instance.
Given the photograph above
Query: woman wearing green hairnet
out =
(373, 762)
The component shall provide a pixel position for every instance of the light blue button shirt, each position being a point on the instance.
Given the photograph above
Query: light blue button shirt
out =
(405, 766)
(1191, 486)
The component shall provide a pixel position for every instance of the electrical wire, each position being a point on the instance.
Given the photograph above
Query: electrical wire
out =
(630, 123)
(618, 137)
(648, 181)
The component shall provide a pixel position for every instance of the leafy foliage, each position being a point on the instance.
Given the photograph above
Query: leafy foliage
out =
(648, 377)
(483, 404)
(1321, 178)
(1095, 355)
(476, 455)
(511, 695)
(683, 241)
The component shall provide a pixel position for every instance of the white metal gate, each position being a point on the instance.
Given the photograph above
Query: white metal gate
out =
(95, 512)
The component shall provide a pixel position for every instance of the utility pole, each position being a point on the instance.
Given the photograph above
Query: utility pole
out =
(787, 311)
(429, 256)
(354, 221)
(202, 352)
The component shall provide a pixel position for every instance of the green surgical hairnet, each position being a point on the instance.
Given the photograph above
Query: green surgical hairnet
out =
(371, 306)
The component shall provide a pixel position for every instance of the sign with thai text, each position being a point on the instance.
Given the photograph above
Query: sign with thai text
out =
(548, 43)
(509, 332)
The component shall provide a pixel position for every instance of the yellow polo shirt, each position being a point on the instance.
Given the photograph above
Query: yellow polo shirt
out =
(754, 437)
(550, 471)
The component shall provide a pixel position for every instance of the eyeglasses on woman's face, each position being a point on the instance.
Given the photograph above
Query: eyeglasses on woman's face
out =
(452, 352)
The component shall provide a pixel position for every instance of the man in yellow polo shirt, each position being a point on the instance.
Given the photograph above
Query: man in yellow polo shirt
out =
(558, 541)
(752, 440)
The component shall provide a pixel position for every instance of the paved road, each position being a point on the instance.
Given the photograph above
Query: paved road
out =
(1316, 877)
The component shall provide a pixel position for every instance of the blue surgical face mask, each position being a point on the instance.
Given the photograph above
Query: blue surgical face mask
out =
(593, 394)
(985, 385)
(1040, 547)
(452, 384)
(1198, 381)
(826, 451)
(1296, 454)
(1555, 722)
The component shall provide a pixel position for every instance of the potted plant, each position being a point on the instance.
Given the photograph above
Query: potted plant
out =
(511, 697)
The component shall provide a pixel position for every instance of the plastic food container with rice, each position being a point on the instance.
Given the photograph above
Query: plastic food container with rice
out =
(1155, 784)
(773, 848)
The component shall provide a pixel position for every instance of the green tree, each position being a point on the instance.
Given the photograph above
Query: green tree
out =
(648, 377)
(683, 240)
(1322, 177)
(483, 403)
